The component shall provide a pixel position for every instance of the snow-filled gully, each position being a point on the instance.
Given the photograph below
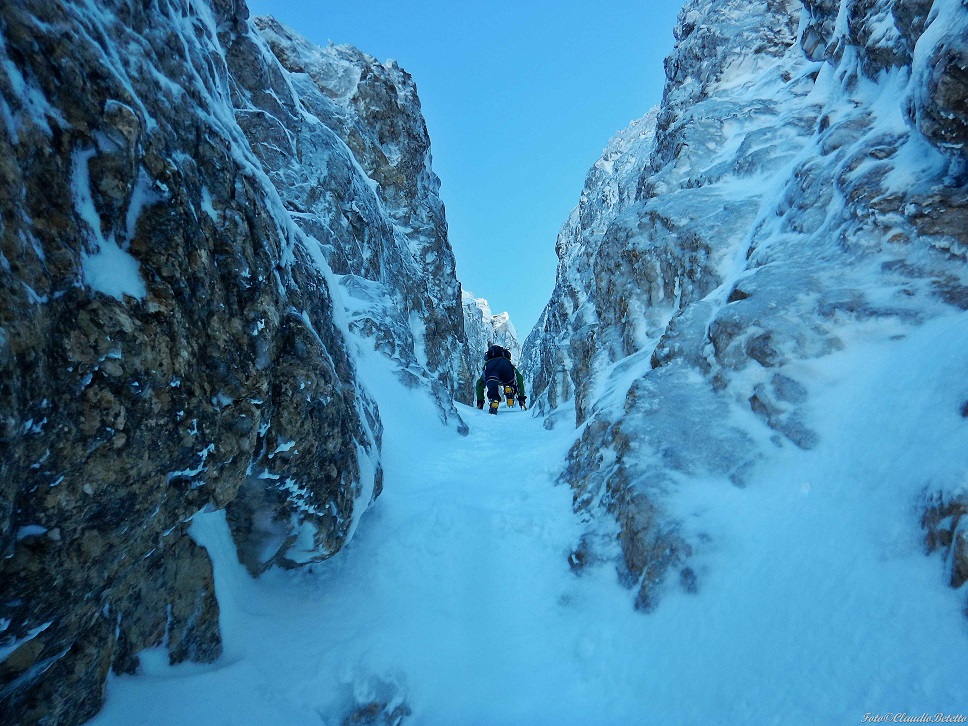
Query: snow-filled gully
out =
(454, 603)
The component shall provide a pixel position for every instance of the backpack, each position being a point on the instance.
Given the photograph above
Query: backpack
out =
(496, 351)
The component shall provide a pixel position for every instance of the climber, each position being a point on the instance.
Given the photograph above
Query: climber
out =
(500, 377)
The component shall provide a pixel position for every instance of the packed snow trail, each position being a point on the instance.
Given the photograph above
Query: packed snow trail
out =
(816, 603)
(449, 595)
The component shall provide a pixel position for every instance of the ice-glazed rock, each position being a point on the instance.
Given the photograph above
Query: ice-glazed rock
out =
(806, 176)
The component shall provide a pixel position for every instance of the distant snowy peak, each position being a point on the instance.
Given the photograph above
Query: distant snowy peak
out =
(484, 328)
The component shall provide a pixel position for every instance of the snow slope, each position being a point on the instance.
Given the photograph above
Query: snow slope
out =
(455, 603)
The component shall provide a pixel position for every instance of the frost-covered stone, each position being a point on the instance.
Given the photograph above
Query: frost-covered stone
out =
(336, 112)
(190, 258)
(946, 528)
(609, 187)
(805, 182)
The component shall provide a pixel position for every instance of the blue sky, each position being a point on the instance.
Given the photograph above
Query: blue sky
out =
(520, 99)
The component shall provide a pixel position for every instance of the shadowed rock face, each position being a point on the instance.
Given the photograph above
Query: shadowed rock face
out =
(169, 336)
(802, 174)
(944, 524)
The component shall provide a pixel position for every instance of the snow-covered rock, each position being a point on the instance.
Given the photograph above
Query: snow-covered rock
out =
(484, 328)
(342, 137)
(199, 238)
(805, 189)
(610, 187)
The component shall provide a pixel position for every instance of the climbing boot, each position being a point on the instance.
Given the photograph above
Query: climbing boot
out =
(509, 394)
(493, 407)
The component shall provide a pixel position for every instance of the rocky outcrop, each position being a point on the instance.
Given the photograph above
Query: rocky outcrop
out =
(315, 125)
(176, 334)
(553, 361)
(483, 328)
(805, 160)
(946, 530)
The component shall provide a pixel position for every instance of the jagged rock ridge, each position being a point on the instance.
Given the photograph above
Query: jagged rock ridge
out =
(807, 176)
(196, 242)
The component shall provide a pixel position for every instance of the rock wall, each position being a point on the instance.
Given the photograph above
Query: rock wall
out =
(316, 123)
(556, 352)
(179, 316)
(806, 177)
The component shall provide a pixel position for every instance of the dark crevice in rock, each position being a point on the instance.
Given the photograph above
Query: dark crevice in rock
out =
(945, 526)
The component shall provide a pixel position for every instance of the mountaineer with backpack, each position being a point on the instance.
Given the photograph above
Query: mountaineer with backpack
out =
(501, 379)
